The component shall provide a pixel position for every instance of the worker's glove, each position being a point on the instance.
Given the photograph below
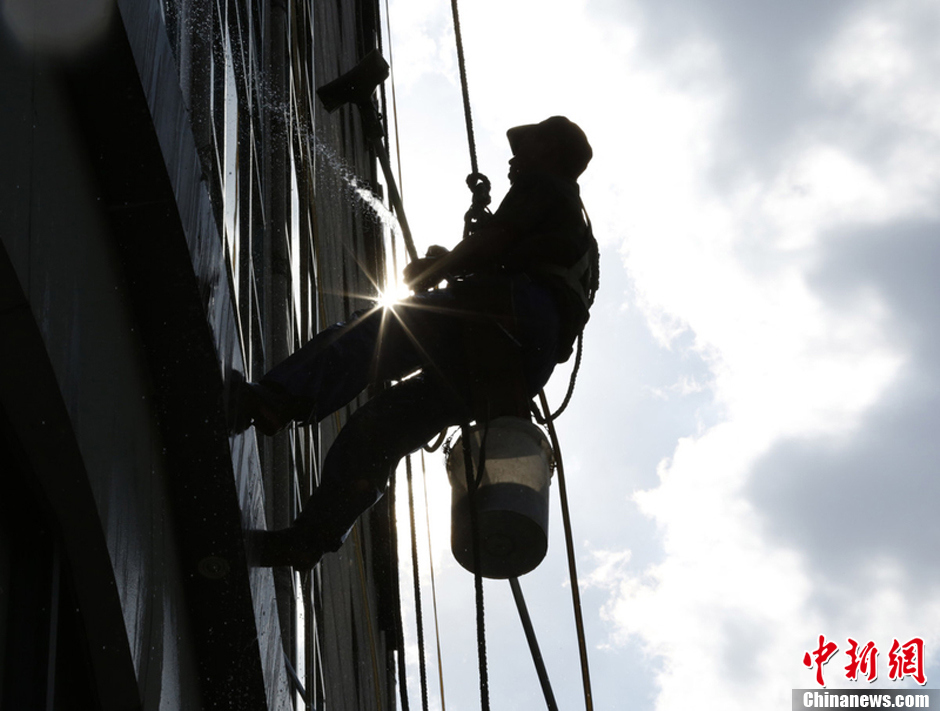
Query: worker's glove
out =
(415, 270)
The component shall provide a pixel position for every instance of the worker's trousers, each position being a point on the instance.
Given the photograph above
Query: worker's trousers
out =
(425, 333)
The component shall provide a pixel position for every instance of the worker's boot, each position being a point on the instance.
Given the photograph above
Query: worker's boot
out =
(290, 547)
(305, 541)
(265, 405)
(299, 546)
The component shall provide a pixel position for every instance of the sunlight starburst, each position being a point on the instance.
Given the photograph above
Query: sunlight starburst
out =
(392, 295)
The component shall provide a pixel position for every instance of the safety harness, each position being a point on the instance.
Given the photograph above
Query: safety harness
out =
(581, 277)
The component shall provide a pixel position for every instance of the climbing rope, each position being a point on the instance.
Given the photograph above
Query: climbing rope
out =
(399, 633)
(478, 183)
(391, 65)
(437, 627)
(572, 565)
(422, 665)
(571, 383)
(361, 569)
(472, 484)
(402, 670)
(480, 187)
(463, 87)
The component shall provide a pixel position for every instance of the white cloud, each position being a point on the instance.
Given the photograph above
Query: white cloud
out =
(423, 41)
(884, 61)
(733, 270)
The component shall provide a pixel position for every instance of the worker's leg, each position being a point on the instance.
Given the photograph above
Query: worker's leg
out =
(331, 368)
(322, 376)
(373, 346)
(358, 465)
(537, 330)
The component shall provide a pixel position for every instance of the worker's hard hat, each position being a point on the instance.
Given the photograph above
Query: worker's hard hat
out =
(562, 135)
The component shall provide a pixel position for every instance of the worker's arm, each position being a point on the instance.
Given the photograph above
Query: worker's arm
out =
(483, 249)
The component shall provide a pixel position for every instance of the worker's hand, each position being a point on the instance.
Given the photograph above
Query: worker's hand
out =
(416, 272)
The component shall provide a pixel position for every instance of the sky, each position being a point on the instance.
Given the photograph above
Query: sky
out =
(750, 451)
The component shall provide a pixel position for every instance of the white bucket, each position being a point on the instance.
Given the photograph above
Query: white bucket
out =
(512, 498)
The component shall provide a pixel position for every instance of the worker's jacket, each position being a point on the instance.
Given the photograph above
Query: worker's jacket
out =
(553, 246)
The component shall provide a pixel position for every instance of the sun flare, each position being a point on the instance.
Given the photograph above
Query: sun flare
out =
(392, 295)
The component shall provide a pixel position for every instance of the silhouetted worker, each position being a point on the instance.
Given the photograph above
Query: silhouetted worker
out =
(536, 255)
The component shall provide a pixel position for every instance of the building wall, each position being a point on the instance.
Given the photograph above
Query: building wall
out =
(78, 358)
(175, 207)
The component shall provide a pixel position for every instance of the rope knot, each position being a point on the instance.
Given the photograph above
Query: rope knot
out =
(479, 185)
(478, 213)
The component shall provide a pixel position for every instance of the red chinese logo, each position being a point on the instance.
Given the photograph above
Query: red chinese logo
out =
(820, 657)
(865, 661)
(903, 660)
(910, 662)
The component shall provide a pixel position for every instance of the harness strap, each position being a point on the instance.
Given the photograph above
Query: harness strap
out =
(573, 276)
(578, 277)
